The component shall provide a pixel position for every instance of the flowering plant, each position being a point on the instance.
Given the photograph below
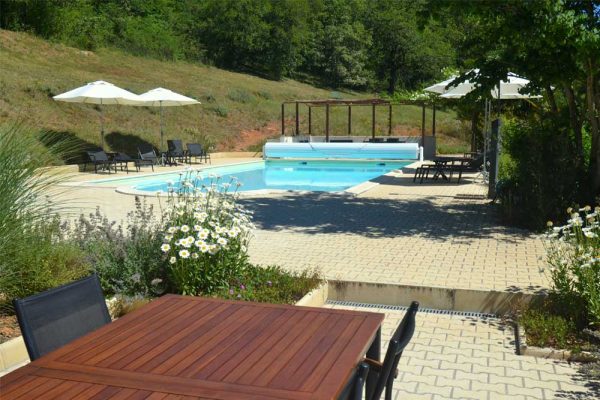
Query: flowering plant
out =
(574, 257)
(207, 233)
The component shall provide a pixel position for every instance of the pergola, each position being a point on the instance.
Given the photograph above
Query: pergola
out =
(349, 103)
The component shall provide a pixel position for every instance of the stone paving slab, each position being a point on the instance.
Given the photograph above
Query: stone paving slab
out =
(460, 357)
(435, 234)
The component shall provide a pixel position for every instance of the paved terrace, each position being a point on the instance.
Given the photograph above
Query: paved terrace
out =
(459, 357)
(435, 234)
(430, 234)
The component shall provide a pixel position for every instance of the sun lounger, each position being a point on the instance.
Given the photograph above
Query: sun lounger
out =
(100, 159)
(198, 152)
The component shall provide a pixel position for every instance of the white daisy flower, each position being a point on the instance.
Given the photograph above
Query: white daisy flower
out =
(165, 248)
(184, 253)
(204, 247)
(222, 241)
(173, 229)
(172, 260)
(185, 228)
(195, 255)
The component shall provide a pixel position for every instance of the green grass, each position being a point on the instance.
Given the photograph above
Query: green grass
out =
(34, 70)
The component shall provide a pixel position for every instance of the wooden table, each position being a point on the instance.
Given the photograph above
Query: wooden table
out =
(196, 348)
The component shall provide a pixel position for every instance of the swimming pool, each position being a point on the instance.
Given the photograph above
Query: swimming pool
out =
(322, 176)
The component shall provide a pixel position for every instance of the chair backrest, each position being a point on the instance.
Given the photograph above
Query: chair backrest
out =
(398, 343)
(97, 155)
(146, 152)
(175, 147)
(53, 318)
(195, 149)
(392, 140)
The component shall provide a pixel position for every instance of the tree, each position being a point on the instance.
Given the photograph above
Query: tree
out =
(337, 49)
(555, 44)
(401, 53)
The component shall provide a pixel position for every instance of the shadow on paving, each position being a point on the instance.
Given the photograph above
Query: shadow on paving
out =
(591, 383)
(313, 213)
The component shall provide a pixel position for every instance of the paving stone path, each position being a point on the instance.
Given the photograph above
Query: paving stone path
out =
(442, 235)
(459, 357)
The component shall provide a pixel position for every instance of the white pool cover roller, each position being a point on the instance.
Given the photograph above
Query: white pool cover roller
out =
(364, 151)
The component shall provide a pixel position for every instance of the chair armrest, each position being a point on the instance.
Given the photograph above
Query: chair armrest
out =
(373, 364)
(377, 366)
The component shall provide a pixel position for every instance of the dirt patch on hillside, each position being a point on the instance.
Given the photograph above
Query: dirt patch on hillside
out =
(253, 139)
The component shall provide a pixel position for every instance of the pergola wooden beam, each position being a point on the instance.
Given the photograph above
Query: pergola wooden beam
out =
(374, 103)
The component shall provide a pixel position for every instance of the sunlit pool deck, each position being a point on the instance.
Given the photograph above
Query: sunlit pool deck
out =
(435, 234)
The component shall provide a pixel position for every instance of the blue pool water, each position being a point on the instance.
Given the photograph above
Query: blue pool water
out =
(325, 176)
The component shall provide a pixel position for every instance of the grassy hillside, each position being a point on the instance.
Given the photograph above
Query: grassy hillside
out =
(238, 111)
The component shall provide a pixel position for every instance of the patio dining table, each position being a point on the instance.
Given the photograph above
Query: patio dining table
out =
(180, 347)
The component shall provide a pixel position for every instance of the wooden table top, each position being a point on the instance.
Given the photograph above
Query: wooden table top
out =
(197, 348)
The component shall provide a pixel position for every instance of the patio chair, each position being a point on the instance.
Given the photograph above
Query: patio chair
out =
(122, 160)
(386, 371)
(198, 152)
(353, 390)
(99, 158)
(147, 155)
(53, 318)
(176, 152)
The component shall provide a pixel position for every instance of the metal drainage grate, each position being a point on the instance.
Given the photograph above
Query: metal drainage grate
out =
(404, 308)
(467, 196)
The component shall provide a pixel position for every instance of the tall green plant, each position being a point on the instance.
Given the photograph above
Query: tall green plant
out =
(28, 228)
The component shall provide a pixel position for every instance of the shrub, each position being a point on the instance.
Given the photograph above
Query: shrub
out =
(127, 260)
(39, 259)
(240, 96)
(271, 284)
(264, 94)
(207, 234)
(545, 330)
(220, 110)
(538, 173)
(574, 258)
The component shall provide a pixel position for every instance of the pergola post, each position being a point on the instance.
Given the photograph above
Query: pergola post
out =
(297, 119)
(373, 122)
(423, 125)
(309, 120)
(327, 123)
(282, 119)
(433, 122)
(390, 119)
(349, 120)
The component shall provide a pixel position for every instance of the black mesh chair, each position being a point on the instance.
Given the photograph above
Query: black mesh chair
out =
(386, 371)
(147, 155)
(53, 318)
(198, 152)
(176, 152)
(99, 159)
